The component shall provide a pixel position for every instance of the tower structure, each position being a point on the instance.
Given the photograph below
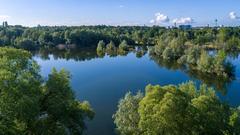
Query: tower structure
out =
(216, 22)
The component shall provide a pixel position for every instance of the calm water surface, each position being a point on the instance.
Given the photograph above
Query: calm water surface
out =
(103, 81)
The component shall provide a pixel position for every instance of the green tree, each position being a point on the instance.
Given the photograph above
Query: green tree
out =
(26, 44)
(232, 44)
(205, 62)
(223, 35)
(219, 62)
(167, 53)
(64, 113)
(20, 91)
(111, 48)
(45, 38)
(215, 64)
(162, 111)
(234, 121)
(101, 46)
(191, 55)
(160, 47)
(127, 117)
(123, 45)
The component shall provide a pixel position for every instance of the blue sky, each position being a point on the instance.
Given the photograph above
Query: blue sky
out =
(120, 12)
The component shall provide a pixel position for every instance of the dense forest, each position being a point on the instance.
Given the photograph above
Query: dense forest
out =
(43, 36)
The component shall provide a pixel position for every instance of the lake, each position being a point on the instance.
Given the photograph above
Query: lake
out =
(104, 80)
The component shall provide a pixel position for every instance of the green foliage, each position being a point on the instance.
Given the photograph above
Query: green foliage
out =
(218, 82)
(193, 56)
(101, 48)
(127, 118)
(111, 49)
(176, 110)
(141, 51)
(172, 51)
(215, 64)
(30, 106)
(233, 44)
(20, 91)
(82, 36)
(25, 43)
(223, 35)
(123, 46)
(205, 62)
(63, 111)
(234, 121)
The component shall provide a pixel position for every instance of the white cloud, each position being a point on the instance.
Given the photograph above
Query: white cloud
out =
(233, 15)
(152, 21)
(183, 20)
(121, 6)
(4, 17)
(160, 18)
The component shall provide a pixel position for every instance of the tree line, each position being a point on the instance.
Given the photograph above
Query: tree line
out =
(226, 38)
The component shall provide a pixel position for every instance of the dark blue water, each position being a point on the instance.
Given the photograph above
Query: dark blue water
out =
(103, 81)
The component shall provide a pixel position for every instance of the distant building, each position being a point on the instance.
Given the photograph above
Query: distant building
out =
(216, 22)
(185, 27)
(175, 24)
(5, 24)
